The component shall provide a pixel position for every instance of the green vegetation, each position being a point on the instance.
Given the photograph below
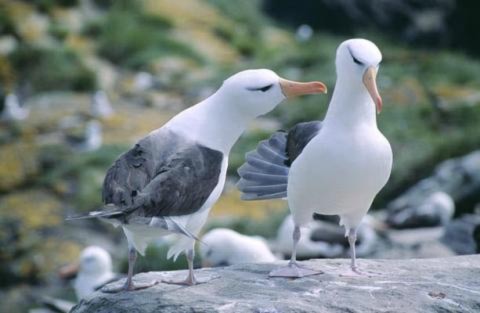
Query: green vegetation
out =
(431, 110)
(134, 39)
(52, 69)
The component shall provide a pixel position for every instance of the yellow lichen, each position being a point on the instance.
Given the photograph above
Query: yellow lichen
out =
(34, 210)
(79, 43)
(231, 205)
(195, 22)
(18, 162)
(185, 13)
(7, 75)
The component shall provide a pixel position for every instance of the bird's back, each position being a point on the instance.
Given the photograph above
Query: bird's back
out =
(164, 174)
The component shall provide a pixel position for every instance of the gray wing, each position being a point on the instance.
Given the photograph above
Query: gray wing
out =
(162, 175)
(264, 175)
(299, 136)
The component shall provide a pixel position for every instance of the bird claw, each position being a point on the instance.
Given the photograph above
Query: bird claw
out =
(354, 271)
(188, 281)
(293, 270)
(128, 287)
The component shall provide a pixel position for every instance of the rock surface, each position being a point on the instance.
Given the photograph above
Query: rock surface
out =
(421, 285)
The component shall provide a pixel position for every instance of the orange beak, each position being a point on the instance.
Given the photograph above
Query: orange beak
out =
(369, 80)
(69, 271)
(294, 89)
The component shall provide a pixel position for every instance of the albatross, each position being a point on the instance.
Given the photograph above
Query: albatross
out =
(224, 247)
(333, 167)
(167, 183)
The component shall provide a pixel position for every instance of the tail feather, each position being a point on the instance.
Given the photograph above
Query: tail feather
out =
(265, 173)
(108, 211)
(175, 227)
(253, 196)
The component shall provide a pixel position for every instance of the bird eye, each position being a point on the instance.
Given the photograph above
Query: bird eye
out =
(262, 89)
(356, 61)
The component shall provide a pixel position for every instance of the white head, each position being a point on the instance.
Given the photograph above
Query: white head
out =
(357, 62)
(95, 261)
(224, 247)
(257, 92)
(11, 101)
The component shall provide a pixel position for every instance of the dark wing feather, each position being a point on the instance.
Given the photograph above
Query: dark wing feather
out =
(163, 175)
(298, 137)
(264, 175)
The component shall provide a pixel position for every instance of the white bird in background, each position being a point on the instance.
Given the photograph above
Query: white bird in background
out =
(167, 183)
(91, 140)
(332, 167)
(100, 106)
(93, 270)
(306, 247)
(436, 209)
(321, 238)
(223, 247)
(304, 33)
(12, 110)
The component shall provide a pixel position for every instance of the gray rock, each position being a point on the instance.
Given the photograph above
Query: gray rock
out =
(324, 237)
(436, 209)
(422, 285)
(458, 179)
(462, 234)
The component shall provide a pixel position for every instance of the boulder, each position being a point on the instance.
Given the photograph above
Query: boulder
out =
(420, 285)
(462, 234)
(429, 202)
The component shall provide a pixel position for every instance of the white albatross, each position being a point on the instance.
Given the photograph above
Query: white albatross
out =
(167, 183)
(100, 106)
(12, 110)
(92, 271)
(95, 270)
(333, 167)
(224, 247)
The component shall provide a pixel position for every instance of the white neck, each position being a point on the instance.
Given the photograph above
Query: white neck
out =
(351, 105)
(212, 123)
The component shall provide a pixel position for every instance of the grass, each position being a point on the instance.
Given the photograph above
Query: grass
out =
(48, 69)
(132, 39)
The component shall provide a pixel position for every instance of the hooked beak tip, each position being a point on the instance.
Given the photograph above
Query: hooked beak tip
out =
(379, 103)
(293, 89)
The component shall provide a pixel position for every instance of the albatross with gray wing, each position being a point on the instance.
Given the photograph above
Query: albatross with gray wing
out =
(167, 183)
(333, 167)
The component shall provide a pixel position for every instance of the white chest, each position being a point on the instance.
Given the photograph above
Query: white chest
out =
(340, 171)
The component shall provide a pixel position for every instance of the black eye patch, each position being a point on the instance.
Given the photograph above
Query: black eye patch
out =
(262, 89)
(355, 60)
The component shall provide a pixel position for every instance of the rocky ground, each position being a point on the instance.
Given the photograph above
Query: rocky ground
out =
(165, 56)
(426, 285)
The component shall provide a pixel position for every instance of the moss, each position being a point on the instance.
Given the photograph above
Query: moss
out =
(135, 40)
(34, 210)
(266, 227)
(7, 75)
(230, 205)
(52, 69)
(19, 164)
